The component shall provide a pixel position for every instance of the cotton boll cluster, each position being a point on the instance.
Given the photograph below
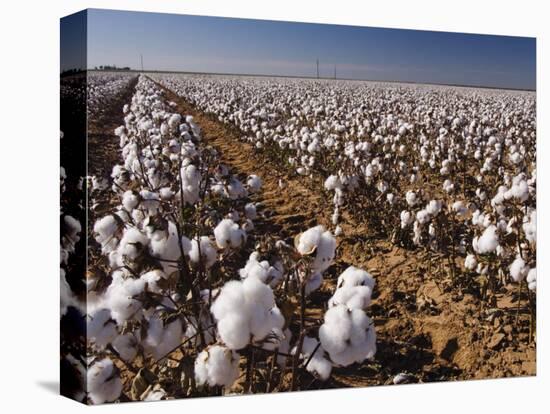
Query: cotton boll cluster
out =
(245, 311)
(217, 366)
(104, 384)
(162, 336)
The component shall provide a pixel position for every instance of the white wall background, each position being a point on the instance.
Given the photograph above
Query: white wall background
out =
(29, 203)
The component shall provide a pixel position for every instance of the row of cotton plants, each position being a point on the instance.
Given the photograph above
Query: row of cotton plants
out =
(101, 87)
(450, 170)
(189, 297)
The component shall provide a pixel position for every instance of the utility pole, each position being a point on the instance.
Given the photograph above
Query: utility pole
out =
(141, 56)
(317, 68)
(334, 71)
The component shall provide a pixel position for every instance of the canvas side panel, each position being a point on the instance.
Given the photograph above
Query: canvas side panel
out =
(73, 205)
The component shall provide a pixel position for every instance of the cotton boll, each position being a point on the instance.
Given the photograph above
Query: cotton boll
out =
(338, 231)
(103, 382)
(434, 207)
(530, 227)
(460, 208)
(120, 297)
(254, 183)
(333, 182)
(229, 235)
(325, 252)
(411, 198)
(422, 216)
(190, 179)
(236, 189)
(532, 279)
(347, 335)
(126, 346)
(161, 337)
(206, 254)
(353, 297)
(318, 364)
(518, 270)
(130, 200)
(353, 276)
(165, 246)
(313, 283)
(234, 330)
(406, 218)
(217, 366)
(131, 246)
(153, 279)
(101, 328)
(105, 229)
(487, 242)
(470, 262)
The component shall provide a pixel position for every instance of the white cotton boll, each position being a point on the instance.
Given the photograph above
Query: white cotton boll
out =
(470, 262)
(231, 299)
(161, 338)
(313, 283)
(236, 189)
(434, 207)
(406, 218)
(103, 382)
(422, 216)
(207, 253)
(338, 231)
(333, 182)
(518, 269)
(411, 198)
(150, 201)
(234, 330)
(101, 328)
(318, 364)
(532, 279)
(325, 252)
(120, 298)
(190, 180)
(229, 235)
(131, 246)
(257, 292)
(164, 245)
(126, 346)
(530, 227)
(254, 183)
(347, 335)
(250, 211)
(353, 297)
(390, 198)
(105, 229)
(166, 193)
(460, 208)
(448, 186)
(487, 242)
(130, 200)
(353, 276)
(152, 279)
(217, 366)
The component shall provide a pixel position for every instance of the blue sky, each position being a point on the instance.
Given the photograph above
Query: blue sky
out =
(226, 45)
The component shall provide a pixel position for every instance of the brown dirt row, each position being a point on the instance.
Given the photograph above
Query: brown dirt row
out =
(426, 325)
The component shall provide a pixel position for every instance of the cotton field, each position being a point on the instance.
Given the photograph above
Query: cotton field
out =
(256, 234)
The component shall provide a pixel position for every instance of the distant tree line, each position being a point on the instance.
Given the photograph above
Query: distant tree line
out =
(109, 67)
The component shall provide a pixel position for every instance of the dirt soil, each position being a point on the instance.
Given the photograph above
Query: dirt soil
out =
(427, 326)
